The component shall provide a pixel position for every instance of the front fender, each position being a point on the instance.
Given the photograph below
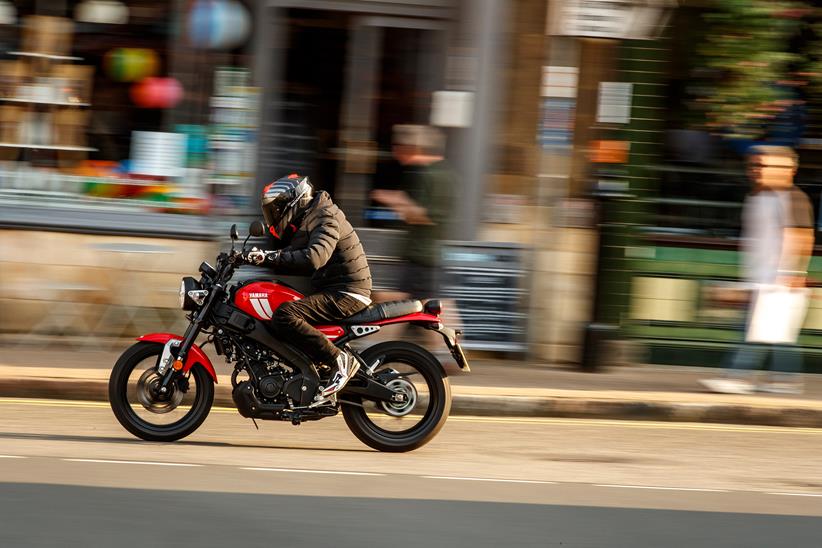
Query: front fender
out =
(195, 355)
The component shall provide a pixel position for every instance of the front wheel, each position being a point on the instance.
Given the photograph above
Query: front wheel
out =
(398, 427)
(135, 398)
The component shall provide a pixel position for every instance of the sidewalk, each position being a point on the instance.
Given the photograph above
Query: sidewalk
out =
(494, 388)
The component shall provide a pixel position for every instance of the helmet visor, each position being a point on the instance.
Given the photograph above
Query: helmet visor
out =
(273, 211)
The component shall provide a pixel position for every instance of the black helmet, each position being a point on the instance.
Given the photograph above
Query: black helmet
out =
(283, 200)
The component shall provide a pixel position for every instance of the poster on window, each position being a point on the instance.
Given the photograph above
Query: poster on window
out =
(158, 154)
(556, 128)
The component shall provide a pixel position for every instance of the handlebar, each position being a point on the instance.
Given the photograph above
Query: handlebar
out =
(228, 262)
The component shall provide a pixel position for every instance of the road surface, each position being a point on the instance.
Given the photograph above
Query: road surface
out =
(71, 476)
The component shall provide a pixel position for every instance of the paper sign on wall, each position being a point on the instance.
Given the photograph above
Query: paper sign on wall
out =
(614, 106)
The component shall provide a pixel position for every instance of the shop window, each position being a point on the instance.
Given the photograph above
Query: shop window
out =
(125, 115)
(701, 176)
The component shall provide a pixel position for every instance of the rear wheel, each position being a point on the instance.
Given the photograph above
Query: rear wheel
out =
(411, 423)
(135, 398)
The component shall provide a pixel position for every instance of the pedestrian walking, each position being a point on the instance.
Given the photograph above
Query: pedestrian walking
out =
(424, 205)
(777, 240)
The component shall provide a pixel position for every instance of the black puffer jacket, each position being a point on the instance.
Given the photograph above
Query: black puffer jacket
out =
(326, 246)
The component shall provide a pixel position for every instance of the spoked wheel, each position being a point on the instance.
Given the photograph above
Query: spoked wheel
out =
(417, 415)
(147, 412)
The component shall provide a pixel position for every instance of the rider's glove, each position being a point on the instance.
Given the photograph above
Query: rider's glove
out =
(260, 256)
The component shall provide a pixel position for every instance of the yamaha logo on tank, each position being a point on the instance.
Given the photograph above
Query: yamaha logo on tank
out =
(261, 306)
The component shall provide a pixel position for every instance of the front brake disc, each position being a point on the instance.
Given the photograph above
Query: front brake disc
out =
(147, 394)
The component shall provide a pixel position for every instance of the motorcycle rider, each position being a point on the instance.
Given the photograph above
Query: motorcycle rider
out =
(319, 241)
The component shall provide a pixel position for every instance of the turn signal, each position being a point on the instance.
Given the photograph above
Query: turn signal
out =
(178, 364)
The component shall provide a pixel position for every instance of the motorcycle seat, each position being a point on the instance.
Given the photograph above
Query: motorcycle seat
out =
(384, 311)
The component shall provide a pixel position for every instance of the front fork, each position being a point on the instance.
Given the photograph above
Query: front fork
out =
(167, 367)
(170, 365)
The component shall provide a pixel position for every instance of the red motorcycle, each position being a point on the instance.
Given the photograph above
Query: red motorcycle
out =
(162, 387)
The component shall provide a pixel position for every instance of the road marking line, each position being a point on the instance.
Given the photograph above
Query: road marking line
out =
(488, 479)
(104, 461)
(638, 424)
(54, 403)
(661, 488)
(648, 425)
(12, 457)
(83, 403)
(797, 494)
(304, 471)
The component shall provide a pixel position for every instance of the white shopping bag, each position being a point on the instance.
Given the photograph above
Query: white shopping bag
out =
(778, 314)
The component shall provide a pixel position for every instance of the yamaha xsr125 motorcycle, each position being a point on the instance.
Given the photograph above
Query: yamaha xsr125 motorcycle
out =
(162, 387)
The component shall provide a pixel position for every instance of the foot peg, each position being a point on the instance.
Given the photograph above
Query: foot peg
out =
(320, 400)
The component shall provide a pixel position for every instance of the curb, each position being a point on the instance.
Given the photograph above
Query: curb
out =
(613, 409)
(494, 405)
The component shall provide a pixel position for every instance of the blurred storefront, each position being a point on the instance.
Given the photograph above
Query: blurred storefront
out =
(139, 130)
(338, 76)
(664, 146)
(112, 110)
(145, 128)
(684, 303)
(126, 129)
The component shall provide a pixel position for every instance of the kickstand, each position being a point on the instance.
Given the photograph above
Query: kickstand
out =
(255, 423)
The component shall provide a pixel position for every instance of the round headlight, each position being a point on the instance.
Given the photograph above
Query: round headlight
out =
(186, 301)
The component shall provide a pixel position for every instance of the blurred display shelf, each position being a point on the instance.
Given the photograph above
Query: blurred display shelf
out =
(97, 218)
(66, 148)
(37, 102)
(227, 181)
(45, 56)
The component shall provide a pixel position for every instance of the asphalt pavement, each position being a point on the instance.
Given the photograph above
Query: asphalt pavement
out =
(138, 518)
(70, 476)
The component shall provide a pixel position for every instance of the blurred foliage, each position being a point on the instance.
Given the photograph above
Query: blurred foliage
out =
(813, 65)
(746, 49)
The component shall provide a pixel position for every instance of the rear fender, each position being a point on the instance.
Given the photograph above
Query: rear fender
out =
(195, 355)
(434, 323)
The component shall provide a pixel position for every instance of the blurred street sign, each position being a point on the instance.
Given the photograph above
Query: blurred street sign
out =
(629, 19)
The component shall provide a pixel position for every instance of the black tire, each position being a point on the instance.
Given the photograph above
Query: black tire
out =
(117, 394)
(436, 413)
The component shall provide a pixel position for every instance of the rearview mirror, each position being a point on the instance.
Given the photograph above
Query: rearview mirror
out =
(256, 229)
(234, 234)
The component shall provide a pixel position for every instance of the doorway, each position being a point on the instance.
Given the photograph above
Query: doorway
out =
(307, 130)
(397, 64)
(346, 80)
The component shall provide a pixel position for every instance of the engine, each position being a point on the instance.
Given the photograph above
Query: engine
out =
(271, 387)
(266, 371)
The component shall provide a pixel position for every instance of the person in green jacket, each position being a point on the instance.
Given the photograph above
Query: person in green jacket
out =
(425, 205)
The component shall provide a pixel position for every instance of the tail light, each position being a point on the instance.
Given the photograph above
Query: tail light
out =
(433, 307)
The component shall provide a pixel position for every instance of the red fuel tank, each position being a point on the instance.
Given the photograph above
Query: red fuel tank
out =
(261, 299)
